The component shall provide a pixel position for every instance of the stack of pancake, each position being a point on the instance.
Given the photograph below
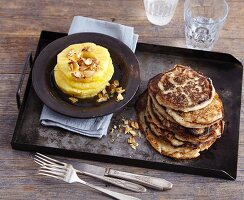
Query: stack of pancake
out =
(181, 113)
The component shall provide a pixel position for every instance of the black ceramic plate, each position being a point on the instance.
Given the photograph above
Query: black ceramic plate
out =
(126, 71)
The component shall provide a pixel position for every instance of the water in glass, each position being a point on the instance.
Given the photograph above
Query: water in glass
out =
(201, 33)
(203, 22)
(160, 12)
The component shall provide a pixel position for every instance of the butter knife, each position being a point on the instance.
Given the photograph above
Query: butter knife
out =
(152, 182)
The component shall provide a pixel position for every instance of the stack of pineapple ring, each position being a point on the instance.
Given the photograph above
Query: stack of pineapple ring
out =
(83, 70)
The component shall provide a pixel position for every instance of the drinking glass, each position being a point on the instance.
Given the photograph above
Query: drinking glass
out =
(160, 12)
(203, 21)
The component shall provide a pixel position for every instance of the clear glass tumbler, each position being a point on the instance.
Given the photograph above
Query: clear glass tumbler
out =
(203, 21)
(160, 12)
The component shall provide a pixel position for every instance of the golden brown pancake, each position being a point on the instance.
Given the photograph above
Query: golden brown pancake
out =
(176, 142)
(181, 133)
(167, 144)
(161, 110)
(184, 89)
(162, 146)
(169, 136)
(201, 118)
(162, 122)
(197, 119)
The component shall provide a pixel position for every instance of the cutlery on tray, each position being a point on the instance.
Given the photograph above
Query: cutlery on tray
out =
(69, 175)
(43, 160)
(101, 172)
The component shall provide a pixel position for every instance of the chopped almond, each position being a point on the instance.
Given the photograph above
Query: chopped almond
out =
(120, 90)
(133, 146)
(127, 129)
(88, 73)
(115, 83)
(83, 67)
(132, 142)
(112, 130)
(134, 124)
(71, 53)
(76, 74)
(73, 99)
(120, 97)
(73, 66)
(113, 88)
(104, 91)
(102, 99)
(88, 61)
(88, 49)
(133, 133)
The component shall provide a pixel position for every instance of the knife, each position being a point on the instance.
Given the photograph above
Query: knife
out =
(152, 182)
(118, 182)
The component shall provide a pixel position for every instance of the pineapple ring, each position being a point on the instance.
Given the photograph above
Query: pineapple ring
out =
(68, 77)
(79, 89)
(94, 51)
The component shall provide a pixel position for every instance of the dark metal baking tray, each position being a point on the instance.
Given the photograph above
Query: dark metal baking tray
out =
(219, 161)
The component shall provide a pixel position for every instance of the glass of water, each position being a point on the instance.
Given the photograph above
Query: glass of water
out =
(160, 12)
(203, 22)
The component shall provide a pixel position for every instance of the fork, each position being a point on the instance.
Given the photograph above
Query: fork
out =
(41, 159)
(69, 175)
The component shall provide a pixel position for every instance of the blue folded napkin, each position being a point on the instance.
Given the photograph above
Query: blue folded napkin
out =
(95, 127)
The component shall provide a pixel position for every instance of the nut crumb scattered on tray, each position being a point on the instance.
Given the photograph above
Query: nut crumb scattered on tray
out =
(127, 127)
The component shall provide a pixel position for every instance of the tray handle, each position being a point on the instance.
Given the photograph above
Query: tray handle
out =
(28, 62)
